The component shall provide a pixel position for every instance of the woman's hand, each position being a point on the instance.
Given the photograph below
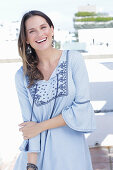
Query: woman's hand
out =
(30, 129)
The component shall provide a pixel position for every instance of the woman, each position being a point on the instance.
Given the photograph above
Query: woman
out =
(53, 91)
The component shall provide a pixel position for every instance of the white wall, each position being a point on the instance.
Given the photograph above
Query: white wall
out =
(104, 35)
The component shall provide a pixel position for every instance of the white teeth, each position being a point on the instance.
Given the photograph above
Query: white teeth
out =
(41, 40)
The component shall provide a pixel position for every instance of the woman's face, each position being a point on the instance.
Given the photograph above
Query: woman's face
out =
(38, 33)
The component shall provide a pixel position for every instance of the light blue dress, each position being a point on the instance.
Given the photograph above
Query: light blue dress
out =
(67, 90)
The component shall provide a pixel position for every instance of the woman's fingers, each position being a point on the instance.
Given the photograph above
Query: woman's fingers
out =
(25, 137)
(20, 129)
(28, 129)
(24, 131)
(24, 134)
(29, 123)
(23, 124)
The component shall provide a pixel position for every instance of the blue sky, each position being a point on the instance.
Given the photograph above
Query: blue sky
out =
(60, 11)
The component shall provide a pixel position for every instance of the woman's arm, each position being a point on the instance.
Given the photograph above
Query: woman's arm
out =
(31, 129)
(55, 122)
(33, 146)
(32, 157)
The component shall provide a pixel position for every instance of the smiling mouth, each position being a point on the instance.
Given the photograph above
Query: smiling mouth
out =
(40, 41)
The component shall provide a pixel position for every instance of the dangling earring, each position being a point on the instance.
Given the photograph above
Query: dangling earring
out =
(53, 41)
(28, 49)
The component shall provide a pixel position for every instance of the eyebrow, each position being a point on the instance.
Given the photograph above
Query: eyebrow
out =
(34, 28)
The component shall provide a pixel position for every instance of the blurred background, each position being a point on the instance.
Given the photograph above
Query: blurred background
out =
(83, 25)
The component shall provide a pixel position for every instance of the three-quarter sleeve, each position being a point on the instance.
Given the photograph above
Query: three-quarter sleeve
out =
(79, 115)
(33, 144)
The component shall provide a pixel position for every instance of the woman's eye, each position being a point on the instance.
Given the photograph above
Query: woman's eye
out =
(43, 27)
(31, 31)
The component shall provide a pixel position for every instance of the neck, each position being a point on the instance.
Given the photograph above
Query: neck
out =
(47, 56)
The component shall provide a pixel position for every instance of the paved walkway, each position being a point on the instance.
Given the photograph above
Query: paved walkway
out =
(102, 157)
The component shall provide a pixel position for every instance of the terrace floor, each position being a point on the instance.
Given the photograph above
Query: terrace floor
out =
(102, 157)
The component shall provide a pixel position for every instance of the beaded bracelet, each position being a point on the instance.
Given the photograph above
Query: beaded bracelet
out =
(30, 165)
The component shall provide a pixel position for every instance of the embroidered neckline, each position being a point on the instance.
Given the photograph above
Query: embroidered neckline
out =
(45, 91)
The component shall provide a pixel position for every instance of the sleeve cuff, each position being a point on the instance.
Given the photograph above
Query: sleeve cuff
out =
(31, 145)
(82, 120)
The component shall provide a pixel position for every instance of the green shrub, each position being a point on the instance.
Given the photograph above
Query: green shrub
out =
(97, 19)
(85, 14)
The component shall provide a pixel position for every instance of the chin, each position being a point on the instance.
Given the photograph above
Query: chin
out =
(44, 48)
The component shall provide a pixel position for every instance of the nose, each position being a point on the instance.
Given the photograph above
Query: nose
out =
(39, 33)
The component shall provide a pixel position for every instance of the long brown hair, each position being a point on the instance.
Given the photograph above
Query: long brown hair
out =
(28, 54)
